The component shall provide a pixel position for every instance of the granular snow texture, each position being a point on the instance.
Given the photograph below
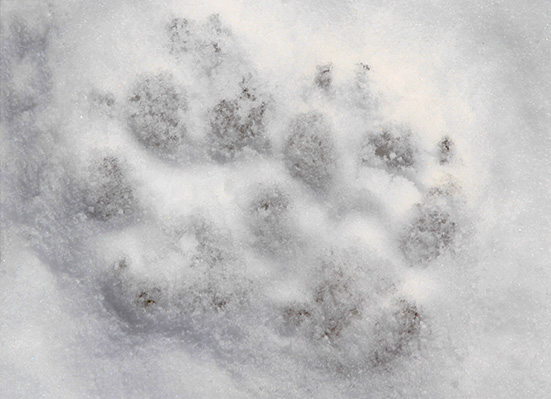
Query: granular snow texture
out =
(275, 199)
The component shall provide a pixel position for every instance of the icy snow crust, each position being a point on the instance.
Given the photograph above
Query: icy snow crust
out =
(275, 199)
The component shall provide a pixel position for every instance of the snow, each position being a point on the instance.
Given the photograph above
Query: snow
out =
(275, 199)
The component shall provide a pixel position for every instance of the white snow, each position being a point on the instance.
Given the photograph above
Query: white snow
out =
(157, 250)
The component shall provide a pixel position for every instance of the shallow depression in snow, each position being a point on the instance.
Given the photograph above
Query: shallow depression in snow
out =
(275, 199)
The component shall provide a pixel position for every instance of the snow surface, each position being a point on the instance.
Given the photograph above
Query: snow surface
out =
(275, 199)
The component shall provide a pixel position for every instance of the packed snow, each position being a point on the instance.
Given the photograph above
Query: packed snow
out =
(275, 199)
